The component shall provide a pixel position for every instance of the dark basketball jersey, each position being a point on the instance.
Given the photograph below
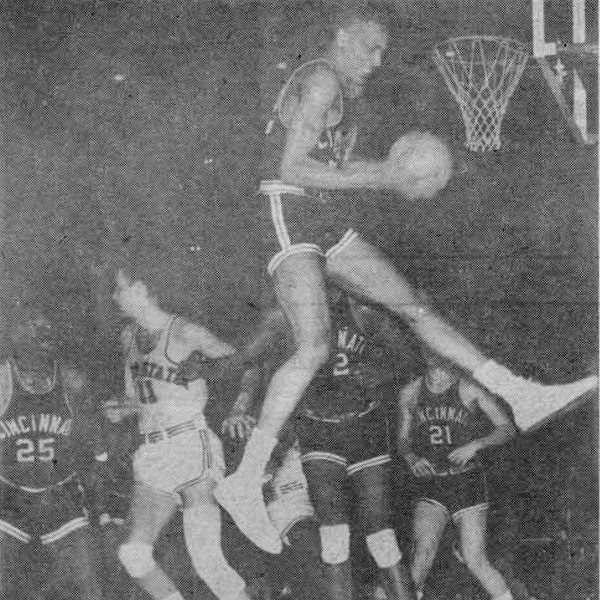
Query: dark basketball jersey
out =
(337, 140)
(36, 435)
(357, 374)
(443, 423)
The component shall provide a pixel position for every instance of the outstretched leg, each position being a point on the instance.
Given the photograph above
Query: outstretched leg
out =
(362, 269)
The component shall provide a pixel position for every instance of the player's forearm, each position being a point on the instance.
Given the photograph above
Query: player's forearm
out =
(247, 392)
(354, 175)
(501, 434)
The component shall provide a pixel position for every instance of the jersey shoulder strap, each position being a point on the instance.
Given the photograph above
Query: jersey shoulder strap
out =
(6, 386)
(289, 98)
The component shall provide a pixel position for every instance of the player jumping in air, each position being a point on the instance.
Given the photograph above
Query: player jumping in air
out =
(180, 458)
(47, 425)
(307, 167)
(439, 440)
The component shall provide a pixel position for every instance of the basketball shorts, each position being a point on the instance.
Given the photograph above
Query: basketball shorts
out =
(173, 463)
(47, 516)
(454, 493)
(355, 444)
(286, 494)
(304, 221)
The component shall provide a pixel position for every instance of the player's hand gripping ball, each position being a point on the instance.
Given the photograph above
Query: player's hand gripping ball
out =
(420, 165)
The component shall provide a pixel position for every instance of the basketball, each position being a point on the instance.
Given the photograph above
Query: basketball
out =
(421, 163)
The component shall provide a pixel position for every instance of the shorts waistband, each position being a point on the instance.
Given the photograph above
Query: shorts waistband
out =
(349, 416)
(276, 186)
(163, 434)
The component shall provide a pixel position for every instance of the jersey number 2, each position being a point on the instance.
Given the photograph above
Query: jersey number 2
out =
(439, 435)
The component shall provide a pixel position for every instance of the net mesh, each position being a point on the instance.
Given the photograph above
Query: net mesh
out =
(482, 72)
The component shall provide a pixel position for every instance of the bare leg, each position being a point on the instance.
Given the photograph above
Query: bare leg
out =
(429, 523)
(202, 531)
(300, 286)
(362, 269)
(473, 526)
(151, 510)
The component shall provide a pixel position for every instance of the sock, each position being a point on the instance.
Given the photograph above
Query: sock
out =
(506, 596)
(494, 377)
(174, 596)
(257, 453)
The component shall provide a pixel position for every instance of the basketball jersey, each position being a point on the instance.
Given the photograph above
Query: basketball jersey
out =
(151, 376)
(35, 433)
(337, 140)
(443, 423)
(357, 373)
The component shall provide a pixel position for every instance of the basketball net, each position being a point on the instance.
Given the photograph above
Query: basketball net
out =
(482, 72)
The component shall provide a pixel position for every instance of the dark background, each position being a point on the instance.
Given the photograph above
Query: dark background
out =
(130, 136)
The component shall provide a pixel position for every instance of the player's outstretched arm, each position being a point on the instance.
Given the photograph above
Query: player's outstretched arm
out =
(504, 429)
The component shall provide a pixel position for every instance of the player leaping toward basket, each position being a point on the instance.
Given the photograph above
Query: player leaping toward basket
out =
(308, 170)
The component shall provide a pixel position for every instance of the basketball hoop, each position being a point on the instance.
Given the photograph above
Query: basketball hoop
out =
(482, 72)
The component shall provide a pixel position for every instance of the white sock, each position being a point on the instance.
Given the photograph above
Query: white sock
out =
(257, 453)
(496, 378)
(506, 596)
(174, 596)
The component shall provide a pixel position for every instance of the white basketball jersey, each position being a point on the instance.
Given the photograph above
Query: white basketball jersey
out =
(149, 378)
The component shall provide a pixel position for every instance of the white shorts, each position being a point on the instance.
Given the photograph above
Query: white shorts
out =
(289, 501)
(172, 464)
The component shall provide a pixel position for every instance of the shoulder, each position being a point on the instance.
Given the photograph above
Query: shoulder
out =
(72, 379)
(409, 394)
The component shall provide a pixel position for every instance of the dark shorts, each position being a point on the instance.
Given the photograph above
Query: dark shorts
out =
(355, 444)
(298, 221)
(454, 493)
(49, 515)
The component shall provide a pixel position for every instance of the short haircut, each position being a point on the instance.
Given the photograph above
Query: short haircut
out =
(347, 12)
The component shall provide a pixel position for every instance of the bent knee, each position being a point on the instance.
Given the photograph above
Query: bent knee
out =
(137, 559)
(312, 354)
(335, 543)
(383, 547)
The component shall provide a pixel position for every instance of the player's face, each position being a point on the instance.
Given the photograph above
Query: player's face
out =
(131, 296)
(33, 334)
(362, 45)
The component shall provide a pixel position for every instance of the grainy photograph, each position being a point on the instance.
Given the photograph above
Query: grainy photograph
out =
(298, 300)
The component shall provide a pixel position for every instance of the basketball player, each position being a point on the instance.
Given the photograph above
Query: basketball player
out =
(179, 458)
(308, 170)
(439, 440)
(343, 435)
(47, 426)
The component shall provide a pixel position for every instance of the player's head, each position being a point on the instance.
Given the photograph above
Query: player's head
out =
(359, 38)
(136, 302)
(439, 369)
(31, 331)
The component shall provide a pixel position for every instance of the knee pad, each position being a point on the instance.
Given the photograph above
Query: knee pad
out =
(383, 547)
(335, 543)
(137, 559)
